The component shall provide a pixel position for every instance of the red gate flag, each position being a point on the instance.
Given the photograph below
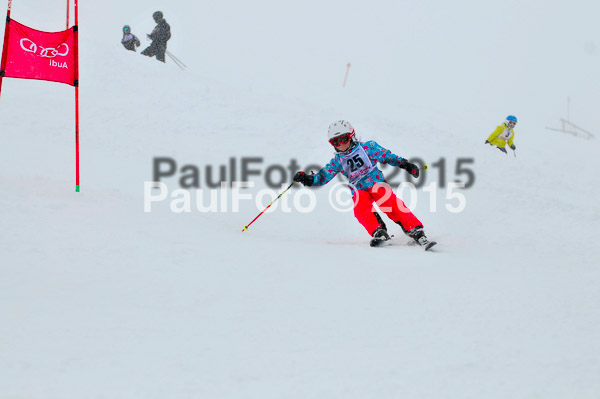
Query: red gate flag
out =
(33, 54)
(54, 56)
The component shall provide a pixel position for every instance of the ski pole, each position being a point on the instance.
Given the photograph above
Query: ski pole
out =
(248, 225)
(515, 153)
(176, 59)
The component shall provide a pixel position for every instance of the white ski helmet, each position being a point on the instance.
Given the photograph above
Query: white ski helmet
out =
(340, 128)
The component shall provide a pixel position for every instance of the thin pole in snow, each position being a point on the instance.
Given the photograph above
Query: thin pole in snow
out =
(76, 84)
(5, 47)
(67, 14)
(346, 77)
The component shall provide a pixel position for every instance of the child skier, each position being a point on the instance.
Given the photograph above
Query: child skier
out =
(504, 134)
(129, 41)
(358, 162)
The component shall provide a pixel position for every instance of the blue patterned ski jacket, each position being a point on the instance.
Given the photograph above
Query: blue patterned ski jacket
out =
(376, 154)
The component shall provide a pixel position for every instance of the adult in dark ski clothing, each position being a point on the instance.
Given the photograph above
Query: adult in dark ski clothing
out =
(159, 36)
(129, 41)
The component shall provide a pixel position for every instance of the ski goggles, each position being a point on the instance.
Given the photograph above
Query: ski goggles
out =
(336, 142)
(512, 124)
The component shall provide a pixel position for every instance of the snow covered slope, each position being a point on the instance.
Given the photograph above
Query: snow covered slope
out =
(100, 299)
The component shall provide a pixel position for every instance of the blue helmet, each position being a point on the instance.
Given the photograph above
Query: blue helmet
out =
(511, 118)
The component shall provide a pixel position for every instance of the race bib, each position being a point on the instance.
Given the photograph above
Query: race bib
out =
(507, 134)
(357, 164)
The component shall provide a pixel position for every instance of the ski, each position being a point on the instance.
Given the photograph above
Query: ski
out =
(379, 242)
(429, 245)
(384, 242)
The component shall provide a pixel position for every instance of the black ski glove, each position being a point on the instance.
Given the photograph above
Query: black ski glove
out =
(303, 178)
(513, 147)
(487, 142)
(409, 167)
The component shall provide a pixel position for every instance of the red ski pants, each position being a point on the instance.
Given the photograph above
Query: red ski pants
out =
(386, 200)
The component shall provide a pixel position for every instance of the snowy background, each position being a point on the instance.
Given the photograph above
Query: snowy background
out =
(99, 299)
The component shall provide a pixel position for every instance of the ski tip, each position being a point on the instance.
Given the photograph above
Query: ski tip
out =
(430, 245)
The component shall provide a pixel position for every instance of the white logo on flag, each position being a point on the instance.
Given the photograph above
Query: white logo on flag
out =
(46, 52)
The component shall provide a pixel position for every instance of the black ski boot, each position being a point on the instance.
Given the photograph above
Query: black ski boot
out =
(380, 236)
(418, 235)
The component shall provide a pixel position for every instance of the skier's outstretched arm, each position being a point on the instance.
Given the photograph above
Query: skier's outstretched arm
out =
(383, 155)
(495, 134)
(323, 177)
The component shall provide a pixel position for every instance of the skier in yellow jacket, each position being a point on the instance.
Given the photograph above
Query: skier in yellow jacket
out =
(504, 134)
